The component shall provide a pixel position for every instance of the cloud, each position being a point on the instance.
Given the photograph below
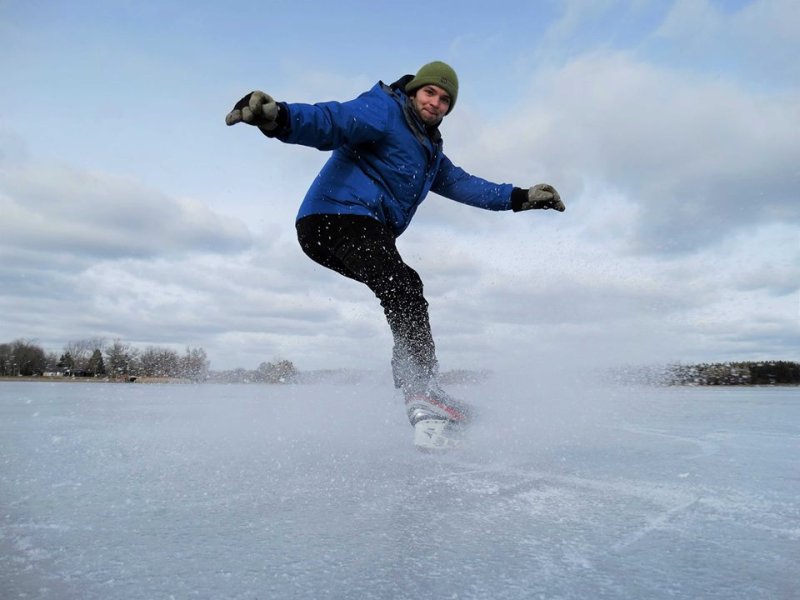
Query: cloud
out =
(58, 209)
(74, 244)
(758, 39)
(698, 158)
(546, 285)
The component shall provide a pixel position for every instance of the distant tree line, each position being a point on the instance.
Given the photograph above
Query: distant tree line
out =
(280, 371)
(735, 373)
(777, 372)
(96, 358)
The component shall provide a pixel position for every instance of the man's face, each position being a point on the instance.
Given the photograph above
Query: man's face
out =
(431, 103)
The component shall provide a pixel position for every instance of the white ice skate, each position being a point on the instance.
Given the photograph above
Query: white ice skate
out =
(436, 435)
(438, 419)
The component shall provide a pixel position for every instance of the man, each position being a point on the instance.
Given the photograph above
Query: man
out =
(386, 156)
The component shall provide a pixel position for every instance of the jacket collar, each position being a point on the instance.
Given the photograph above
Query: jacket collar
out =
(421, 131)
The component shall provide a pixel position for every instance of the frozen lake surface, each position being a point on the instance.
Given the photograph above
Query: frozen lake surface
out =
(137, 491)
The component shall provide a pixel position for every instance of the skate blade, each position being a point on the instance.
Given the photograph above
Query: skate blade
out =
(434, 435)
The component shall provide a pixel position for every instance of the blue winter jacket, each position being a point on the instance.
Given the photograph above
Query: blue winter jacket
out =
(384, 160)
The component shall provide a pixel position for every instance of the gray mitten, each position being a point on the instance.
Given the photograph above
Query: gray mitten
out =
(543, 196)
(257, 108)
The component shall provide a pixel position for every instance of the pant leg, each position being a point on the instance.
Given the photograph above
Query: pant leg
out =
(363, 249)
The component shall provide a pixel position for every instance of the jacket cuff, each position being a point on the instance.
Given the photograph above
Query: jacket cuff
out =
(518, 197)
(282, 122)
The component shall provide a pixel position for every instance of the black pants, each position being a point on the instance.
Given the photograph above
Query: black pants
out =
(363, 249)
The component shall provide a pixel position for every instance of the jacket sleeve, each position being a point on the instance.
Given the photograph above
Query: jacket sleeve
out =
(455, 183)
(329, 125)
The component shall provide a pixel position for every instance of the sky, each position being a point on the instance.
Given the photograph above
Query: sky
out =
(128, 210)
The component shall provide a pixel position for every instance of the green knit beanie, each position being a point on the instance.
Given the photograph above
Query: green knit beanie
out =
(436, 73)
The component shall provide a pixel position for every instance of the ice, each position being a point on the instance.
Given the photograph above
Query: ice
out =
(566, 490)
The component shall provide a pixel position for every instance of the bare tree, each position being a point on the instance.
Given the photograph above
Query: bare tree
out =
(195, 364)
(6, 360)
(160, 362)
(22, 357)
(81, 351)
(281, 371)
